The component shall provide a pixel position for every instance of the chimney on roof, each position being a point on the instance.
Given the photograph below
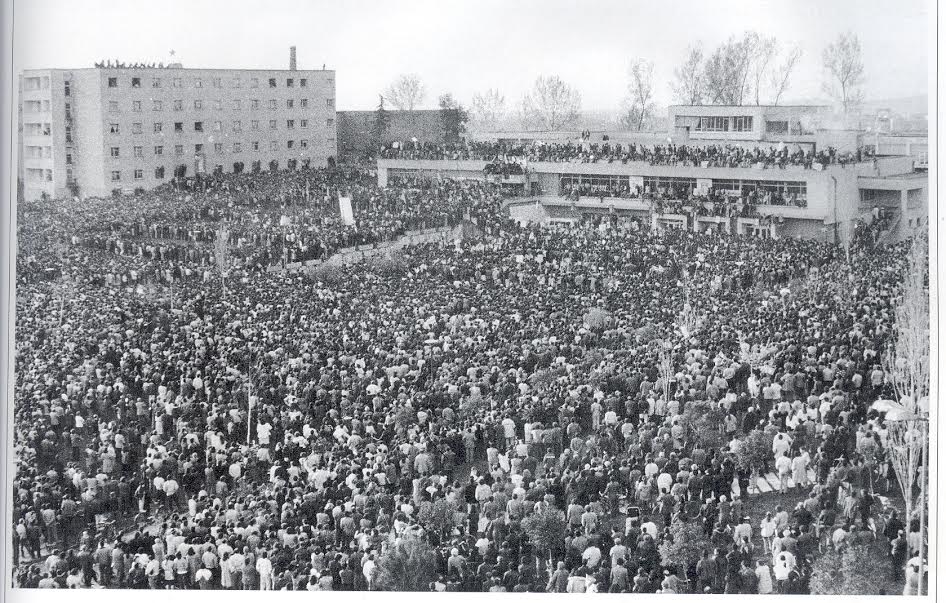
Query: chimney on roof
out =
(292, 58)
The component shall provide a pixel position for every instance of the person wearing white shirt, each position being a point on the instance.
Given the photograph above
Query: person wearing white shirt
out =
(265, 568)
(764, 575)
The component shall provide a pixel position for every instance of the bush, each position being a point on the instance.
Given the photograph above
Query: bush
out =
(755, 449)
(862, 569)
(409, 564)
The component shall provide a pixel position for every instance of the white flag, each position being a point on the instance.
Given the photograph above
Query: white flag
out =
(344, 208)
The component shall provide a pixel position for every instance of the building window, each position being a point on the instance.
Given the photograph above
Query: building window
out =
(176, 82)
(156, 82)
(742, 123)
(289, 144)
(254, 124)
(218, 147)
(116, 176)
(290, 124)
(136, 128)
(158, 127)
(272, 104)
(139, 152)
(273, 145)
(289, 82)
(158, 151)
(68, 158)
(198, 126)
(303, 82)
(776, 127)
(70, 178)
(329, 122)
(136, 106)
(712, 124)
(254, 104)
(136, 82)
(254, 82)
(178, 149)
(218, 105)
(157, 106)
(304, 103)
(178, 105)
(113, 82)
(198, 148)
(178, 126)
(48, 175)
(114, 129)
(216, 82)
(67, 88)
(303, 123)
(256, 145)
(236, 82)
(304, 143)
(272, 124)
(114, 151)
(198, 83)
(237, 126)
(289, 103)
(113, 106)
(238, 105)
(218, 126)
(272, 82)
(68, 133)
(330, 103)
(237, 147)
(159, 173)
(139, 174)
(198, 105)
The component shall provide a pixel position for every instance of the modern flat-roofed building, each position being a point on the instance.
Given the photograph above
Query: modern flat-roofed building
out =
(828, 199)
(92, 131)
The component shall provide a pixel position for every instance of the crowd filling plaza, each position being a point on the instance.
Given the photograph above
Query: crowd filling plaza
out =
(583, 409)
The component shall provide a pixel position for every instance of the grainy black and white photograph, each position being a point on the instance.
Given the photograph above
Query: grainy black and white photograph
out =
(479, 296)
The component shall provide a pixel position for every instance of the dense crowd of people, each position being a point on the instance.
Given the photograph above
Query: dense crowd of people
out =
(299, 431)
(501, 154)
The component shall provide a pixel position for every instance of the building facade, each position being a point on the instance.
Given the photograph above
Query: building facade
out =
(829, 198)
(93, 131)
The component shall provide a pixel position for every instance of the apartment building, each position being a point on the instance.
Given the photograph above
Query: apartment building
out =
(98, 130)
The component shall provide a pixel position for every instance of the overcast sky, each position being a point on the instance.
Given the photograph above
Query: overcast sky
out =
(465, 47)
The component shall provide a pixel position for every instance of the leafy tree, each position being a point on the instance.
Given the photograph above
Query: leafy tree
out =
(861, 569)
(551, 105)
(379, 129)
(407, 92)
(689, 85)
(408, 564)
(453, 118)
(685, 545)
(488, 109)
(845, 72)
(546, 529)
(640, 88)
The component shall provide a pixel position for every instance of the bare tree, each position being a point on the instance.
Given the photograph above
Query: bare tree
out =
(689, 85)
(764, 52)
(640, 89)
(845, 71)
(488, 109)
(551, 105)
(726, 71)
(907, 364)
(406, 92)
(779, 76)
